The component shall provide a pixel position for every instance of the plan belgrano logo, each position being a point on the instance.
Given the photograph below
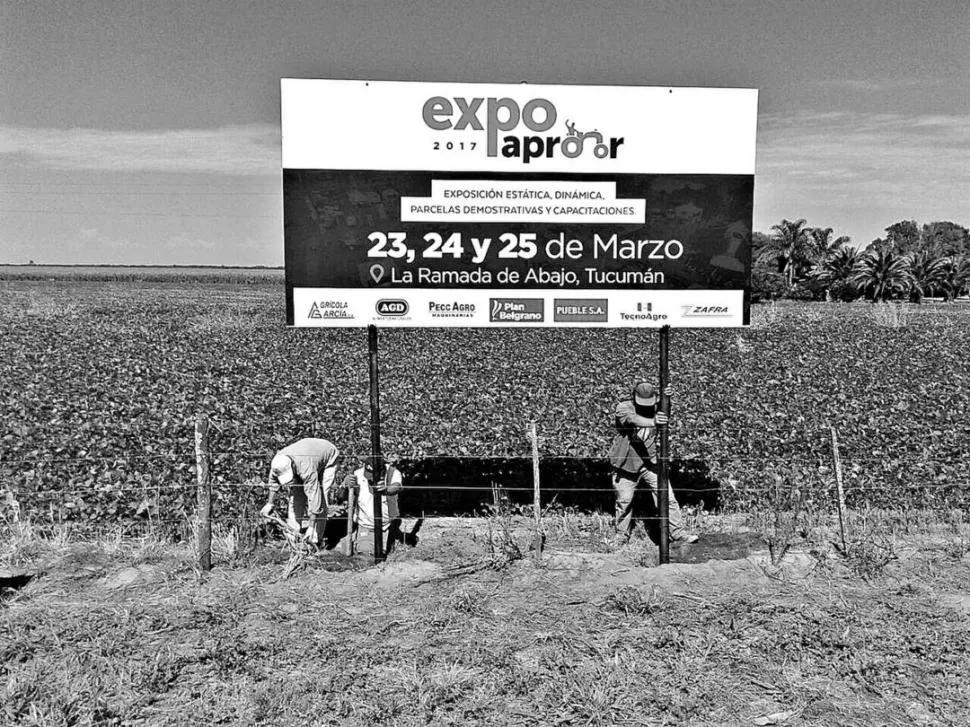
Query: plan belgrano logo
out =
(517, 310)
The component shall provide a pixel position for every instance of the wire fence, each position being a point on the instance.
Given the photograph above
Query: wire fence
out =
(200, 498)
(182, 461)
(460, 487)
(128, 486)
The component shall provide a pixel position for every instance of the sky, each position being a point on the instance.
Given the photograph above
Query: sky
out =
(148, 132)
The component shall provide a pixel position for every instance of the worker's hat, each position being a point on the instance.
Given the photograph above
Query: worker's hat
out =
(645, 394)
(282, 469)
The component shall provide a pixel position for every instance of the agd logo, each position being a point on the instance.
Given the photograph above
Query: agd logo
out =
(392, 307)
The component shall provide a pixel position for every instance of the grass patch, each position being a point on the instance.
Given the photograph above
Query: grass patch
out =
(613, 644)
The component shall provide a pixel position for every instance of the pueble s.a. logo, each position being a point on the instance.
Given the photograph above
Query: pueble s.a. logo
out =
(395, 307)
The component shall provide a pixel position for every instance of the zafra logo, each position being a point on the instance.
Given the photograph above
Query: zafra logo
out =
(395, 308)
(504, 114)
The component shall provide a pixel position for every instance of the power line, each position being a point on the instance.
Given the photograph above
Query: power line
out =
(458, 488)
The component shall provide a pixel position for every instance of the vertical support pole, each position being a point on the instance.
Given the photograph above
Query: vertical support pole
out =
(840, 492)
(536, 495)
(377, 460)
(663, 481)
(203, 493)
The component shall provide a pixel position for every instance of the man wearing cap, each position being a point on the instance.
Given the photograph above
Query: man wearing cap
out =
(308, 467)
(362, 481)
(633, 457)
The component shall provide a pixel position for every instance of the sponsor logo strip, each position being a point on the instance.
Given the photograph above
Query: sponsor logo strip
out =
(492, 308)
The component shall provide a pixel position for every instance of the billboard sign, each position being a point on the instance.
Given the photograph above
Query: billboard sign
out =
(488, 205)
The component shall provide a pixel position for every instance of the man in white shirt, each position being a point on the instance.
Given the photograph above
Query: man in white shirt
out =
(362, 480)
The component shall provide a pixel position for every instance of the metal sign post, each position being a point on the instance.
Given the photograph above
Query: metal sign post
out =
(377, 460)
(663, 504)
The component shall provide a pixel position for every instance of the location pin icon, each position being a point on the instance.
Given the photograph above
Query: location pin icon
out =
(376, 273)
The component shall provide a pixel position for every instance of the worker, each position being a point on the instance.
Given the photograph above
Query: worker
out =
(361, 480)
(308, 467)
(633, 457)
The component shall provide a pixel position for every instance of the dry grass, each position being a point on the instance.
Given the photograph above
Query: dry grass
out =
(598, 640)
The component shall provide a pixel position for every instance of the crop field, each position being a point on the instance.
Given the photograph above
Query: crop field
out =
(101, 381)
(764, 622)
(141, 273)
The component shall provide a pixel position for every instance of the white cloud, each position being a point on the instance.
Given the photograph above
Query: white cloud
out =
(879, 86)
(250, 149)
(186, 244)
(93, 238)
(888, 158)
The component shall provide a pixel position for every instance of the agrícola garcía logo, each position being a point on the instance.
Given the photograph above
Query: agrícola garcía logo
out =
(326, 309)
(504, 114)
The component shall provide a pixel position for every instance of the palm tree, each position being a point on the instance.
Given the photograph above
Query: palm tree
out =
(790, 246)
(926, 274)
(835, 271)
(881, 274)
(954, 276)
(823, 244)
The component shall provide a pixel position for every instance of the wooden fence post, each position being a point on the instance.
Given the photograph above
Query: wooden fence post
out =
(840, 492)
(351, 507)
(536, 495)
(203, 493)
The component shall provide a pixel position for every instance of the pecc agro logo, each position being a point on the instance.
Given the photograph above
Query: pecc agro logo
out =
(504, 114)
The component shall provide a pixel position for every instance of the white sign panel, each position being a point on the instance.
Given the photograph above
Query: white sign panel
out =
(530, 205)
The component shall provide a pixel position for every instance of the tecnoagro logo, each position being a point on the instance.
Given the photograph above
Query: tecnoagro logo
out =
(504, 114)
(644, 312)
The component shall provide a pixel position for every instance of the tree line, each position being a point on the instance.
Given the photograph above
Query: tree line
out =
(909, 263)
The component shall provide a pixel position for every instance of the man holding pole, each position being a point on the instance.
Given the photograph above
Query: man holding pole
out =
(633, 457)
(308, 467)
(361, 481)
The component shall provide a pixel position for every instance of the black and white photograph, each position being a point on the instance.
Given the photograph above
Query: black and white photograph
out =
(445, 363)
